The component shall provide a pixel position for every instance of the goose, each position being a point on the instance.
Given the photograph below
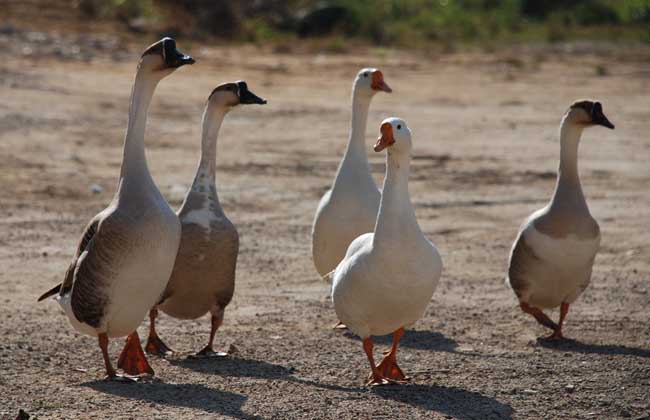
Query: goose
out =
(349, 208)
(552, 257)
(388, 276)
(203, 278)
(127, 251)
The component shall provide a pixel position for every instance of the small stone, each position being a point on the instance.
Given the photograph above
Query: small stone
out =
(570, 388)
(96, 189)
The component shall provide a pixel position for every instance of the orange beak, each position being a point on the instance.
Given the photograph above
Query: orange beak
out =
(386, 139)
(378, 82)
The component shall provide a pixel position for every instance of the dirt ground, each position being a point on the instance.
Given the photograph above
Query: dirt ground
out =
(485, 130)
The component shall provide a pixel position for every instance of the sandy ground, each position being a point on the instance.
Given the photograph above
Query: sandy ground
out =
(485, 132)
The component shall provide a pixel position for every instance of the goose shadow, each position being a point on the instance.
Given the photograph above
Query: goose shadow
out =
(415, 339)
(235, 367)
(250, 368)
(575, 346)
(194, 396)
(455, 402)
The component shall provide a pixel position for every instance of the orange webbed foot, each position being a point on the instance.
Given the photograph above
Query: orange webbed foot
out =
(389, 369)
(132, 359)
(155, 346)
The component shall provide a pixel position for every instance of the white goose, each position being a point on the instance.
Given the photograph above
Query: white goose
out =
(552, 257)
(349, 208)
(388, 276)
(203, 278)
(127, 251)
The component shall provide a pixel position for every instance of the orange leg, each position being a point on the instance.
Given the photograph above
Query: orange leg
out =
(557, 334)
(375, 377)
(539, 315)
(388, 366)
(132, 360)
(103, 344)
(215, 323)
(154, 344)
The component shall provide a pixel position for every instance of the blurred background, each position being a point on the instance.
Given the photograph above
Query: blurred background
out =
(425, 24)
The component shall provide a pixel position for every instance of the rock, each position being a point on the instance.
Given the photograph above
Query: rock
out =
(570, 388)
(96, 189)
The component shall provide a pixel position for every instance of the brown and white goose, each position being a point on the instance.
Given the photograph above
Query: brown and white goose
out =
(552, 257)
(127, 251)
(203, 278)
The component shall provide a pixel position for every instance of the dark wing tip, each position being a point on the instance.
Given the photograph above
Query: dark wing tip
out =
(53, 291)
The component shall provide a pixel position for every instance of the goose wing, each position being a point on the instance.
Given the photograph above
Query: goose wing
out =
(66, 285)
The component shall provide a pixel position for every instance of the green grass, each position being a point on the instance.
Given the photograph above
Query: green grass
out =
(410, 23)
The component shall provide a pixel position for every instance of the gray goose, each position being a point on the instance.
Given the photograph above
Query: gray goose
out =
(203, 279)
(552, 257)
(126, 253)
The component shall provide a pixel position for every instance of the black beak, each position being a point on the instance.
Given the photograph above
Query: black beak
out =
(182, 59)
(599, 118)
(173, 57)
(248, 97)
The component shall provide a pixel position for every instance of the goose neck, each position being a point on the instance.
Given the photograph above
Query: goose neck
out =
(356, 145)
(134, 163)
(213, 117)
(568, 188)
(396, 217)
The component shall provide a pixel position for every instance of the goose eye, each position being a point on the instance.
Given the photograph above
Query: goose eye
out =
(365, 74)
(399, 126)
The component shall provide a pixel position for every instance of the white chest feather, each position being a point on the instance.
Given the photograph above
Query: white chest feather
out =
(569, 251)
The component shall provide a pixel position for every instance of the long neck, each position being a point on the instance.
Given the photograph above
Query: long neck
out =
(204, 180)
(212, 118)
(568, 190)
(355, 160)
(134, 162)
(396, 216)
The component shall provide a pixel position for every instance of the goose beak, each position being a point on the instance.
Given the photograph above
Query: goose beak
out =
(172, 57)
(378, 82)
(599, 118)
(602, 120)
(386, 139)
(248, 97)
(183, 59)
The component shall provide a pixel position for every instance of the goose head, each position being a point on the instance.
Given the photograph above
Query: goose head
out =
(395, 136)
(161, 58)
(587, 113)
(231, 94)
(371, 81)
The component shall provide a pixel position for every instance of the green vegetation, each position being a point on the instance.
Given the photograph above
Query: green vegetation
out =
(416, 23)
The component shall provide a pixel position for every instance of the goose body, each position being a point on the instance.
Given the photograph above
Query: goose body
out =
(551, 260)
(349, 208)
(126, 254)
(203, 278)
(387, 277)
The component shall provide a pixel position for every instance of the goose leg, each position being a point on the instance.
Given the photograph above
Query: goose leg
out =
(154, 344)
(111, 374)
(540, 316)
(215, 323)
(388, 366)
(557, 333)
(132, 359)
(375, 377)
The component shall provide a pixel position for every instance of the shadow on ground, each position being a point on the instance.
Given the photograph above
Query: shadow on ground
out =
(454, 402)
(586, 348)
(194, 396)
(251, 368)
(422, 340)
